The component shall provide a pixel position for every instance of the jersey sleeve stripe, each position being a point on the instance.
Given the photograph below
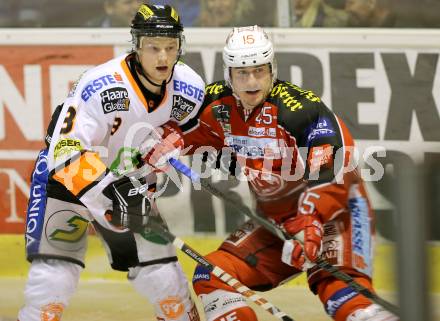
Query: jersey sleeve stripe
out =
(80, 173)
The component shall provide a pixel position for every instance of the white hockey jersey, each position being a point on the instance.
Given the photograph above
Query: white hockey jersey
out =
(103, 122)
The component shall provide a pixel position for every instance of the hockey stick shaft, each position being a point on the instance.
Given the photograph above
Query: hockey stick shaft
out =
(276, 230)
(217, 271)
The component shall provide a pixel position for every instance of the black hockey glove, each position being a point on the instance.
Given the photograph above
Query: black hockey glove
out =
(130, 207)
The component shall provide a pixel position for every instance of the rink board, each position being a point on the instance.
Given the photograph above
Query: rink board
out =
(384, 84)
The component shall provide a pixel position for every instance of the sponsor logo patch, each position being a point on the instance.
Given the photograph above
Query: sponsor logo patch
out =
(182, 107)
(99, 83)
(172, 307)
(211, 306)
(214, 89)
(320, 156)
(66, 146)
(252, 147)
(321, 128)
(201, 273)
(265, 183)
(115, 99)
(65, 229)
(221, 113)
(233, 301)
(361, 239)
(188, 89)
(37, 203)
(145, 12)
(338, 299)
(257, 131)
(52, 312)
(331, 249)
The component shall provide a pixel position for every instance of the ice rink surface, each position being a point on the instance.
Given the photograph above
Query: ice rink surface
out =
(104, 294)
(116, 301)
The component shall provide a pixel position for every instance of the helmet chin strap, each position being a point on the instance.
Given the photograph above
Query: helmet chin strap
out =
(141, 71)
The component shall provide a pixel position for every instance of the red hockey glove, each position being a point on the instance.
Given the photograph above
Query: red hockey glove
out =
(308, 229)
(168, 144)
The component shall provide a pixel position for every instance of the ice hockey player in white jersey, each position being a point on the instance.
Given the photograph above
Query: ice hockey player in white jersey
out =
(96, 143)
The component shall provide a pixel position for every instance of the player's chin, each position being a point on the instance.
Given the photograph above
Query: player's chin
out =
(160, 77)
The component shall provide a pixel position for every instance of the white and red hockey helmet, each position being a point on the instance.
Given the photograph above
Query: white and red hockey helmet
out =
(245, 47)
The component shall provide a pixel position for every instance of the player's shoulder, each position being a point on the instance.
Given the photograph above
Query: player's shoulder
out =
(292, 97)
(98, 79)
(184, 71)
(216, 90)
(188, 82)
(294, 102)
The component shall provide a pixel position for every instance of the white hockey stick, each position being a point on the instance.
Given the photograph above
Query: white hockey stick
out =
(159, 229)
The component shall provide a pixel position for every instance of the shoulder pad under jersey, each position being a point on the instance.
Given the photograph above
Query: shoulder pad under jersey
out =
(100, 78)
(296, 106)
(187, 82)
(216, 90)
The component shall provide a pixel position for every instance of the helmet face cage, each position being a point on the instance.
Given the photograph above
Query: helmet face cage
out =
(246, 47)
(156, 21)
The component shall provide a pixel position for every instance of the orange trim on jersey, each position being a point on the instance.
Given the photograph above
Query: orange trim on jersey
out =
(164, 99)
(80, 172)
(138, 90)
(133, 83)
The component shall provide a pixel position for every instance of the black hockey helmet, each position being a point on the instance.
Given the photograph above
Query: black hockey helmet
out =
(156, 21)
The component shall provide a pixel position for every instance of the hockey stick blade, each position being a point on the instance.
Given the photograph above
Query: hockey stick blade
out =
(217, 271)
(276, 230)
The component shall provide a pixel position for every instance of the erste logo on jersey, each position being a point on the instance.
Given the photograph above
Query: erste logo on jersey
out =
(181, 108)
(99, 83)
(115, 99)
(188, 89)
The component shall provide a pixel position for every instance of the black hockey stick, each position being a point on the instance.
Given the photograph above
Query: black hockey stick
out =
(278, 231)
(161, 230)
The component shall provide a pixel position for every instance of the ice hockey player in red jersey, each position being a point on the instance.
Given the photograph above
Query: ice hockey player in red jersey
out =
(100, 142)
(297, 157)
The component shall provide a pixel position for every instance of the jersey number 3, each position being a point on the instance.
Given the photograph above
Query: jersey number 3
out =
(69, 120)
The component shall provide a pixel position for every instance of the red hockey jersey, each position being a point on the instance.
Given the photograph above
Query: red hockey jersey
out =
(296, 154)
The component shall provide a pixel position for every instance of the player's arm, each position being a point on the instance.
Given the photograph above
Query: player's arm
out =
(194, 133)
(203, 131)
(320, 135)
(52, 124)
(74, 157)
(327, 149)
